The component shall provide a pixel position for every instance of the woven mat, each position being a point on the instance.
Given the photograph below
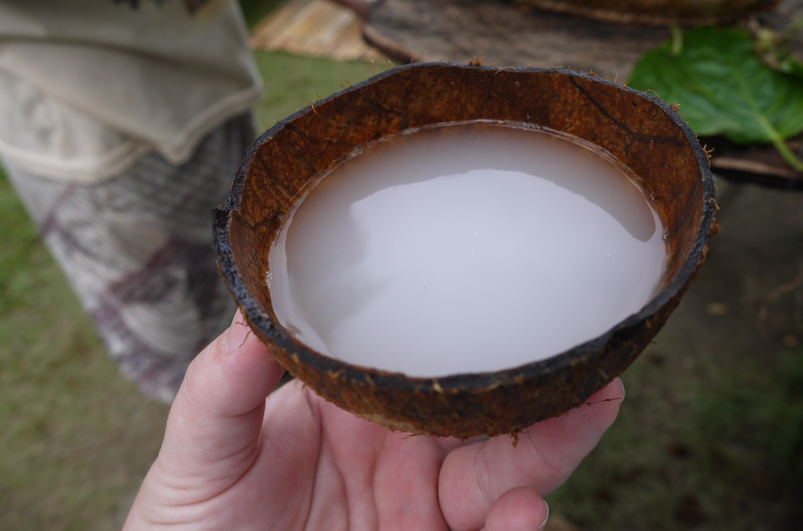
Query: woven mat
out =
(318, 28)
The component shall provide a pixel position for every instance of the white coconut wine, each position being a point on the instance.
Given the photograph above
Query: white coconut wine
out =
(465, 248)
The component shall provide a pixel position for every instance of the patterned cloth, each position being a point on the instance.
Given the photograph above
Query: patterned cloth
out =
(137, 250)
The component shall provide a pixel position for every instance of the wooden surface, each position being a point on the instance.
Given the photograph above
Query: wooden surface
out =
(655, 12)
(319, 28)
(500, 33)
(462, 30)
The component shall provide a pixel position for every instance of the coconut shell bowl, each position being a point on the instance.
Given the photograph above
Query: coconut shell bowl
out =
(640, 131)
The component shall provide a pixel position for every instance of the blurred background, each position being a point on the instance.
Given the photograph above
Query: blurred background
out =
(710, 435)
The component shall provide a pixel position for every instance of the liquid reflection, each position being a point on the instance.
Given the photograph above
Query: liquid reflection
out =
(465, 249)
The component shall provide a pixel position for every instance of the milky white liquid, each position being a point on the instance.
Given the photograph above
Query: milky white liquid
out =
(465, 248)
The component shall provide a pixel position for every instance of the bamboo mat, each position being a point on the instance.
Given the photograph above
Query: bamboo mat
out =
(319, 28)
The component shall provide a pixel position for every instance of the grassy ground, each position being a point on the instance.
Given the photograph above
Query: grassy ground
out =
(710, 436)
(725, 456)
(292, 83)
(256, 10)
(68, 421)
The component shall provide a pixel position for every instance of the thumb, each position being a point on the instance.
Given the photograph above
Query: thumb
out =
(213, 427)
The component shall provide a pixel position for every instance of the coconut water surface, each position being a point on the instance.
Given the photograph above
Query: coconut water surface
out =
(465, 248)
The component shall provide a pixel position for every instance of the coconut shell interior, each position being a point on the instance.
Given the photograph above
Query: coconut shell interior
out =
(637, 129)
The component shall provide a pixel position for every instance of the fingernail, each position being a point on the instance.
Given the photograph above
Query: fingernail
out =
(543, 526)
(623, 389)
(237, 334)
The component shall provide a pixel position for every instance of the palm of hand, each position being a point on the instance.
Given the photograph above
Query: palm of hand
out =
(346, 473)
(233, 460)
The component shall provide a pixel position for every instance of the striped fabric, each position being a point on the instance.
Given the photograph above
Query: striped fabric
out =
(137, 250)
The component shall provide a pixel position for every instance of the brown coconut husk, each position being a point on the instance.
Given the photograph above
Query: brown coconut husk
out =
(640, 131)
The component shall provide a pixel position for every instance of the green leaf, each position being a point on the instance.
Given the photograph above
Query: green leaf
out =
(724, 89)
(792, 67)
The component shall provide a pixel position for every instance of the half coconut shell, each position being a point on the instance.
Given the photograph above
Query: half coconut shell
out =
(637, 129)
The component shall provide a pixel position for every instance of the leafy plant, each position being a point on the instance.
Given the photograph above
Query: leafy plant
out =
(774, 47)
(724, 88)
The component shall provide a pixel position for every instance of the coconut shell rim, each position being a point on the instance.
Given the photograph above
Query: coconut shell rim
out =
(256, 317)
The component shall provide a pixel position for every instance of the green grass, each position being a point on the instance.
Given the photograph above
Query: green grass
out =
(727, 456)
(256, 10)
(293, 82)
(76, 438)
(21, 254)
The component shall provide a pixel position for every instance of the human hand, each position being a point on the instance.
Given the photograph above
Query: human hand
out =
(232, 459)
